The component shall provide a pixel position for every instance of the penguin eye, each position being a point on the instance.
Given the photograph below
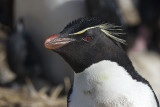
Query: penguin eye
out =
(87, 38)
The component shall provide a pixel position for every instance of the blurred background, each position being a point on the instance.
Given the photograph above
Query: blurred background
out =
(32, 76)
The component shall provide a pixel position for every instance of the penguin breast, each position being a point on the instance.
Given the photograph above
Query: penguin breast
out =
(107, 84)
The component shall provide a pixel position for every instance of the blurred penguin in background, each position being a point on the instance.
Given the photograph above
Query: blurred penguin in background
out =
(17, 51)
(22, 54)
(150, 14)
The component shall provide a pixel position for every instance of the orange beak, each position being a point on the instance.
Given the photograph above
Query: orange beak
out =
(55, 41)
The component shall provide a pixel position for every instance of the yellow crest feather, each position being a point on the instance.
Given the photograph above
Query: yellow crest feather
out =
(107, 30)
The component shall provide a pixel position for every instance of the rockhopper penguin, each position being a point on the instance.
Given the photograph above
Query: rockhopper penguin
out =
(104, 75)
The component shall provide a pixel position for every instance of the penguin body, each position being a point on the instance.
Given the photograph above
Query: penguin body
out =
(104, 75)
(109, 85)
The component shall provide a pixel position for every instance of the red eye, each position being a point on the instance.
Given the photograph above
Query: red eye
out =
(87, 38)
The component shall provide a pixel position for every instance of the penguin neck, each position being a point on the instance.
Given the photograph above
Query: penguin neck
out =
(81, 61)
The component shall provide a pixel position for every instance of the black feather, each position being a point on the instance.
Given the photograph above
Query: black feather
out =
(82, 23)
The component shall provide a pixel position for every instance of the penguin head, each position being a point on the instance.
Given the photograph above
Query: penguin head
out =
(86, 41)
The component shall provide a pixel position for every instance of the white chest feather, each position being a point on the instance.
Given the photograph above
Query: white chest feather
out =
(106, 84)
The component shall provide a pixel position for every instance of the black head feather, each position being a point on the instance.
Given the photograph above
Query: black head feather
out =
(82, 23)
